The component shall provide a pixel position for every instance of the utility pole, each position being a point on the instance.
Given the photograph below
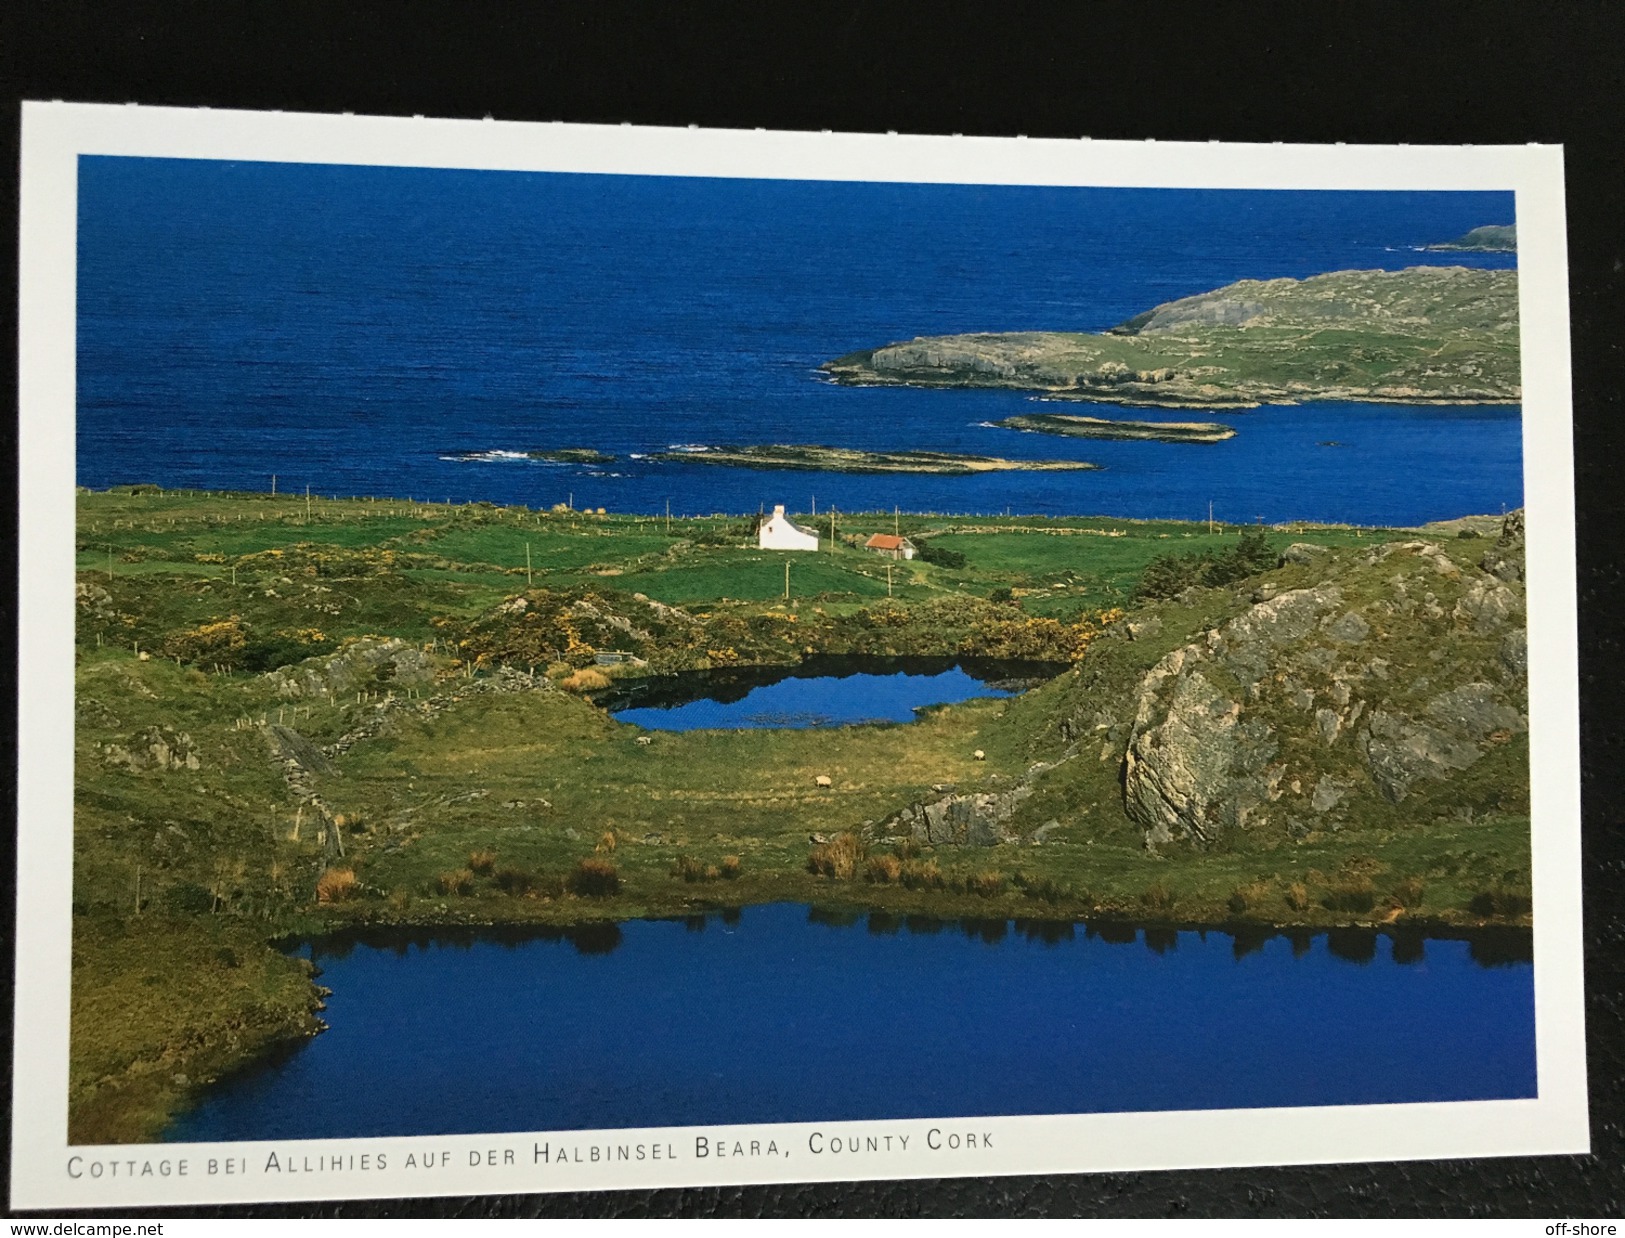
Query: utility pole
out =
(896, 522)
(832, 530)
(1210, 517)
(668, 517)
(787, 580)
(273, 485)
(109, 563)
(815, 505)
(888, 578)
(307, 502)
(527, 565)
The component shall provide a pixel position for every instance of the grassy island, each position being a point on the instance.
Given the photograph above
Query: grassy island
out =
(849, 460)
(293, 720)
(1101, 427)
(1445, 335)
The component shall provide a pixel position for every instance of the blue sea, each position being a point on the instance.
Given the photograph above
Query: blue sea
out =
(410, 332)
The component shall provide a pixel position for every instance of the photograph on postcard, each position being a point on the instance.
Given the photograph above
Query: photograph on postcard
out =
(566, 652)
(685, 672)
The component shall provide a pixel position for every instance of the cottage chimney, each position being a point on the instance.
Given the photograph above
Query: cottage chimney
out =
(778, 510)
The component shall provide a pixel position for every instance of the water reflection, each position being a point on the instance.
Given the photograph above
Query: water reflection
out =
(604, 1025)
(1489, 947)
(817, 692)
(1160, 939)
(1353, 944)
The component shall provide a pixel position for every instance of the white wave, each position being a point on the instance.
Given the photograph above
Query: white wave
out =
(692, 448)
(495, 456)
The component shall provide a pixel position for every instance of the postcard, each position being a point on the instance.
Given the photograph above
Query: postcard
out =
(560, 657)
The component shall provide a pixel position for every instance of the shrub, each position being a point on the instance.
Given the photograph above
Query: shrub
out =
(1167, 576)
(1408, 893)
(940, 555)
(907, 848)
(459, 882)
(713, 873)
(595, 878)
(221, 642)
(922, 875)
(1251, 897)
(989, 884)
(730, 867)
(482, 861)
(1156, 897)
(585, 680)
(688, 868)
(189, 898)
(1297, 896)
(1501, 900)
(1044, 888)
(400, 898)
(884, 869)
(1351, 894)
(606, 843)
(336, 885)
(515, 881)
(838, 859)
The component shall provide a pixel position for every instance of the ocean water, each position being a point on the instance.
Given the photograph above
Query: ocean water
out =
(410, 332)
(782, 1013)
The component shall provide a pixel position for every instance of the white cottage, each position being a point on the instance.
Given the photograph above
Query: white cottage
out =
(779, 532)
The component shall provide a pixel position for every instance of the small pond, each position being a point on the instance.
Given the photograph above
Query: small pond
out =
(821, 691)
(786, 1013)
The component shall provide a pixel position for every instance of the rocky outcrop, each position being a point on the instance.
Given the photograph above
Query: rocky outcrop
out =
(1505, 558)
(1194, 767)
(290, 745)
(1289, 708)
(977, 820)
(363, 664)
(156, 747)
(1400, 751)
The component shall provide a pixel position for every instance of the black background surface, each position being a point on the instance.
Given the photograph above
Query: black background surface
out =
(1417, 73)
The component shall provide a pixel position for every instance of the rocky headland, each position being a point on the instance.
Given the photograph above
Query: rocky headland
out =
(1446, 335)
(1490, 238)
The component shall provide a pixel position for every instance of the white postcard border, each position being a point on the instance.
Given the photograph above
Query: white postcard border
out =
(43, 1165)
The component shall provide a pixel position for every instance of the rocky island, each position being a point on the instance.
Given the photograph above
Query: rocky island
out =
(572, 455)
(848, 460)
(1100, 427)
(1424, 335)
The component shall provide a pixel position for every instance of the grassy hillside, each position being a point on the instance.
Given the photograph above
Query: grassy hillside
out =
(1425, 334)
(292, 720)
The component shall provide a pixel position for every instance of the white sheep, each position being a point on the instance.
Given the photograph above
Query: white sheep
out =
(823, 781)
(646, 739)
(979, 755)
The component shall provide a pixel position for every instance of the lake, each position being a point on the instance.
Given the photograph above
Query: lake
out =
(786, 1013)
(819, 691)
(413, 332)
